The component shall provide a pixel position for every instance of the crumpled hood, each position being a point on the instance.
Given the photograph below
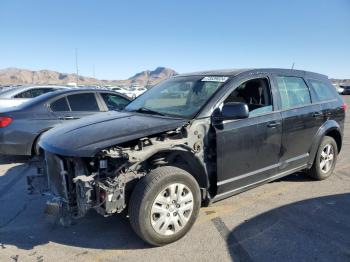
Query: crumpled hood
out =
(87, 136)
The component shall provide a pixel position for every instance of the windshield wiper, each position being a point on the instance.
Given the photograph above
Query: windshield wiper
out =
(148, 111)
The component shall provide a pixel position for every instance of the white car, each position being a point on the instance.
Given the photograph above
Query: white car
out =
(340, 90)
(132, 92)
(18, 95)
(138, 91)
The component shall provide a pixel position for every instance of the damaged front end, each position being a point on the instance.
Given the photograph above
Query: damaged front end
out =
(105, 181)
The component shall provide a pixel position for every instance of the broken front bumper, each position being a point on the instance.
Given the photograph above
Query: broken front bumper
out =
(74, 189)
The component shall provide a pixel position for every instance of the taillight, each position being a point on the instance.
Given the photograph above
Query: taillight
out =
(344, 107)
(5, 121)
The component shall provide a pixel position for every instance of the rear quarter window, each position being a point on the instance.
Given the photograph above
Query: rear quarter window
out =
(59, 105)
(322, 90)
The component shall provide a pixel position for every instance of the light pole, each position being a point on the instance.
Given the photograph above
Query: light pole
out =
(76, 64)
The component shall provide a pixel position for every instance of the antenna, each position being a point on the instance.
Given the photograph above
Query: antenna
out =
(293, 65)
(76, 64)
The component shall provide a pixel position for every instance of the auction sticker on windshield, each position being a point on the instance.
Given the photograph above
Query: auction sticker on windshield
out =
(220, 79)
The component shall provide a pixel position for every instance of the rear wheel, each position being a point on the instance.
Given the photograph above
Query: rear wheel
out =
(164, 205)
(325, 160)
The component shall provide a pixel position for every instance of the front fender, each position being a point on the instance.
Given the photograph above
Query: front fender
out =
(196, 166)
(327, 126)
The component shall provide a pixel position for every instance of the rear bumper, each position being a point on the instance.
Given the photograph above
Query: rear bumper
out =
(15, 143)
(14, 149)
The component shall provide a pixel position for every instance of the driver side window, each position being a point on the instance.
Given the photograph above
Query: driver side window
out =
(256, 93)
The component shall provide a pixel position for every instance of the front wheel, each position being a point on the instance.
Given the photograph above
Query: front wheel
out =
(164, 205)
(325, 159)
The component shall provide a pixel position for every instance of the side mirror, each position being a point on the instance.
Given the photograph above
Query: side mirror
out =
(231, 111)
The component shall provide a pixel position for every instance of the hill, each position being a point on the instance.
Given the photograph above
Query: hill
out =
(16, 76)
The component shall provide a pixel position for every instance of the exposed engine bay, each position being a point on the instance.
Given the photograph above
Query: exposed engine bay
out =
(105, 181)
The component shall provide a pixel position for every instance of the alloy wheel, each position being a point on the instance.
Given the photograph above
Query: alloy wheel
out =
(327, 157)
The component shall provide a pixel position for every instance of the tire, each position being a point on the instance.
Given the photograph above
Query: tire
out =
(152, 194)
(319, 169)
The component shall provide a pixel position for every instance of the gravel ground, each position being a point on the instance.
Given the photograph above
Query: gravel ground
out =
(292, 219)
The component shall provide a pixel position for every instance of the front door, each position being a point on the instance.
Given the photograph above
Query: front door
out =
(248, 149)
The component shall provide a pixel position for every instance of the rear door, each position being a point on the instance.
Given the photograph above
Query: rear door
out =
(75, 106)
(301, 121)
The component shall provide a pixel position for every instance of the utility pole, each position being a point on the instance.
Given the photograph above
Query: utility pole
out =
(93, 73)
(76, 64)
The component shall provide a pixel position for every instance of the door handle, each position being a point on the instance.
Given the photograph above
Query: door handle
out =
(317, 114)
(273, 124)
(68, 118)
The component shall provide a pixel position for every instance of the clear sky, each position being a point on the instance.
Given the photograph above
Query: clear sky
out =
(116, 39)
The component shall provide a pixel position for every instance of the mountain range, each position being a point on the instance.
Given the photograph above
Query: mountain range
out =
(16, 76)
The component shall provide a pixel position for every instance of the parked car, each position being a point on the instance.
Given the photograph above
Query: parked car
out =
(132, 92)
(137, 91)
(162, 158)
(21, 126)
(340, 90)
(346, 90)
(18, 95)
(122, 91)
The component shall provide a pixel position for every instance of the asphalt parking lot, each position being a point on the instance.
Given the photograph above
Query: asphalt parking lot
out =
(292, 219)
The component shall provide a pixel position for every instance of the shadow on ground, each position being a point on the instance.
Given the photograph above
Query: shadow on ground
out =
(315, 229)
(13, 159)
(309, 230)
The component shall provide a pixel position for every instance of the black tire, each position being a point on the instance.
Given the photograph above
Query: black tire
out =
(144, 195)
(316, 172)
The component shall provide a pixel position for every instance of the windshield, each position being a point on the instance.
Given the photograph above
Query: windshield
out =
(180, 96)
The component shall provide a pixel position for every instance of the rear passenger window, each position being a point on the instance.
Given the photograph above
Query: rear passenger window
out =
(59, 105)
(83, 102)
(293, 91)
(322, 90)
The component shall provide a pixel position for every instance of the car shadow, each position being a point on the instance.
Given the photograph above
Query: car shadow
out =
(309, 230)
(5, 160)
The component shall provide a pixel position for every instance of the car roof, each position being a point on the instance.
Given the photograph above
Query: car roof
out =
(236, 72)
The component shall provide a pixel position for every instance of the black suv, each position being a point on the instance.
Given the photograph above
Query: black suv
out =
(191, 140)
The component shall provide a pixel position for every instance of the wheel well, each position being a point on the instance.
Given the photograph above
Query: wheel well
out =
(184, 160)
(335, 134)
(33, 149)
